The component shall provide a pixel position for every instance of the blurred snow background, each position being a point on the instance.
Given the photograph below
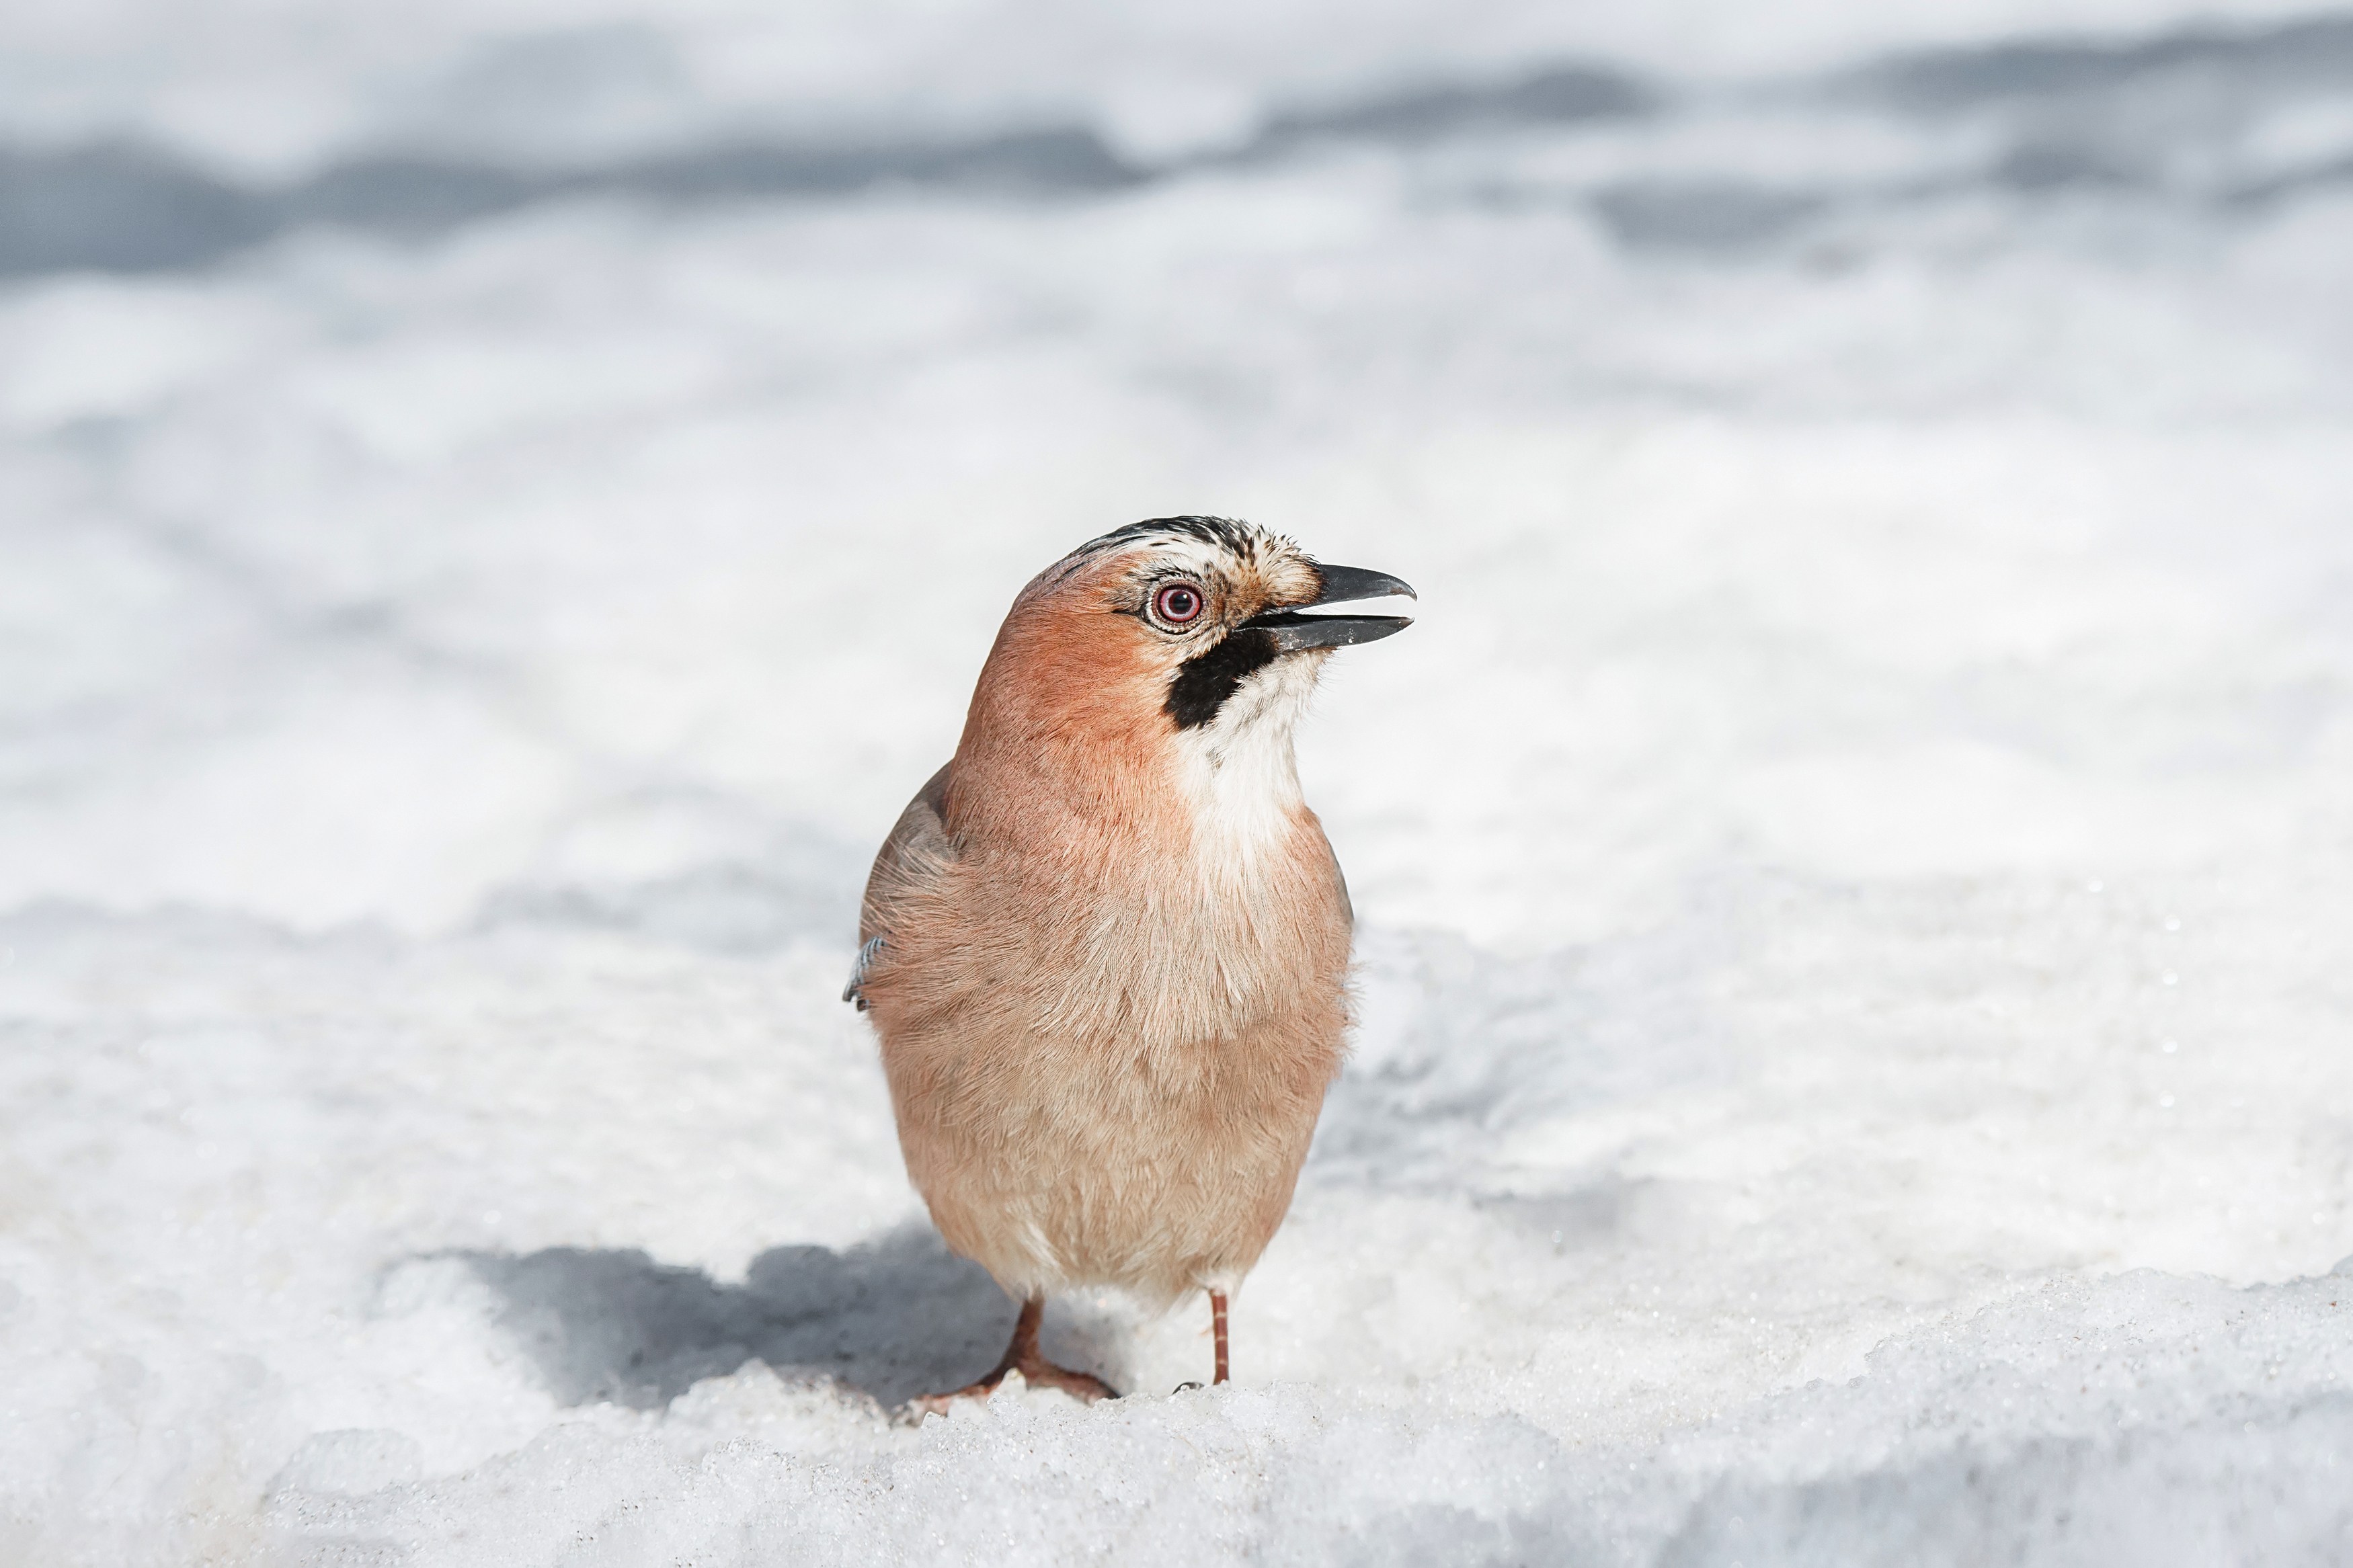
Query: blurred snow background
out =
(500, 504)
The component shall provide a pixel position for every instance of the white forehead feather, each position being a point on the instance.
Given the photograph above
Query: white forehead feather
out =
(1192, 555)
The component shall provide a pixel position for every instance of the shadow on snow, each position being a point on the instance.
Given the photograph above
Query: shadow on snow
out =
(894, 1318)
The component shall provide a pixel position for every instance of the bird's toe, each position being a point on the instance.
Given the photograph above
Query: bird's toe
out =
(941, 1403)
(1040, 1373)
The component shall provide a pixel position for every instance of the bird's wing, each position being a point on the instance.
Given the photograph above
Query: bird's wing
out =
(917, 851)
(1340, 880)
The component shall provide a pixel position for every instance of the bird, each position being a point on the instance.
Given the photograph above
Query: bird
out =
(1105, 948)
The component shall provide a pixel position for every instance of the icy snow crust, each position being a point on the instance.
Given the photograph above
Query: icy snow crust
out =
(1854, 862)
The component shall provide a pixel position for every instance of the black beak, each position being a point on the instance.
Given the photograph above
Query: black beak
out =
(1292, 631)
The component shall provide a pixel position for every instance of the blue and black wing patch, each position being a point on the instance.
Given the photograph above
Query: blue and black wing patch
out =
(850, 992)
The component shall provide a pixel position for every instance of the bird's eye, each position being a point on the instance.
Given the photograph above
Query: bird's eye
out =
(1178, 603)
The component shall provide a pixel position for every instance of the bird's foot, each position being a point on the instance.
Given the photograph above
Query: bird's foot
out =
(940, 1404)
(1084, 1387)
(1021, 1357)
(1035, 1370)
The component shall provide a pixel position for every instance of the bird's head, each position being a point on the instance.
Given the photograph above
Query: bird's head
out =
(1191, 640)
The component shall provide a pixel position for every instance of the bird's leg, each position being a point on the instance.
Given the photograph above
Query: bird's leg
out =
(1023, 1356)
(1040, 1373)
(1218, 1328)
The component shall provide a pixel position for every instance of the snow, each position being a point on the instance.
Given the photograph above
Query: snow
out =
(1853, 861)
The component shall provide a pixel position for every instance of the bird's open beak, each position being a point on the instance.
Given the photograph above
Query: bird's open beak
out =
(1297, 627)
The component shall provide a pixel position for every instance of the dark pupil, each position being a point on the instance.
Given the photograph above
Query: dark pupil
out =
(1180, 604)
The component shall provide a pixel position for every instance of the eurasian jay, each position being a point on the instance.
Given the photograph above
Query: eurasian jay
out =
(1106, 946)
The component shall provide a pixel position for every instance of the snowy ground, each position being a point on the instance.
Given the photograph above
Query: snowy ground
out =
(1855, 862)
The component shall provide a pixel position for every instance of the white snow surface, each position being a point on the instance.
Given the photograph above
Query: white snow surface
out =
(1854, 863)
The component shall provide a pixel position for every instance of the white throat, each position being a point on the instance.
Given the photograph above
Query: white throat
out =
(1239, 770)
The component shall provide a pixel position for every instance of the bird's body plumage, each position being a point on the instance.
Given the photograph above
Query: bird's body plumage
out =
(1106, 947)
(1170, 1040)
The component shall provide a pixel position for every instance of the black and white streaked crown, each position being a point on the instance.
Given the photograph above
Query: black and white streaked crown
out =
(1244, 542)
